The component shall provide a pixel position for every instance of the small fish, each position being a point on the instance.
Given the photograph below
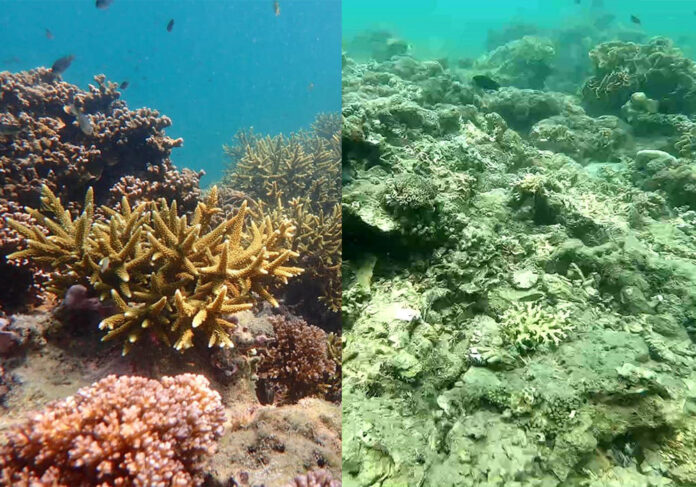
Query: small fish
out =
(635, 19)
(49, 34)
(62, 64)
(485, 82)
(276, 8)
(103, 4)
(123, 85)
(310, 86)
(170, 25)
(11, 60)
(577, 2)
(10, 130)
(82, 120)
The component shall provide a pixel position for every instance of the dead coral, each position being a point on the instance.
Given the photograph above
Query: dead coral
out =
(168, 275)
(119, 431)
(298, 363)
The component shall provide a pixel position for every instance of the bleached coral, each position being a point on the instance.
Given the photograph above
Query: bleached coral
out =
(530, 325)
(118, 431)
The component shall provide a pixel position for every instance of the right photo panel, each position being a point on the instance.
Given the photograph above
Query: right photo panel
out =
(519, 243)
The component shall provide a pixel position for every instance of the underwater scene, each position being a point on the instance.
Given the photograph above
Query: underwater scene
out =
(519, 218)
(170, 243)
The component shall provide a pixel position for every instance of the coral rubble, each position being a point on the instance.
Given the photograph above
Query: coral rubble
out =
(169, 276)
(119, 431)
(520, 269)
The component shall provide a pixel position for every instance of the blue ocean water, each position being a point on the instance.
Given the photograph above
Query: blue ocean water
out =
(225, 66)
(444, 27)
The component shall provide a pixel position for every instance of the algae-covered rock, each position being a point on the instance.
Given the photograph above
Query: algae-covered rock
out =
(530, 311)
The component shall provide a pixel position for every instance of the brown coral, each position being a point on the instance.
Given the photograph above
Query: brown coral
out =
(169, 276)
(119, 431)
(298, 364)
(51, 149)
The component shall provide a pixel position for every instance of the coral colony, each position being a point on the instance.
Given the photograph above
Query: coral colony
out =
(519, 262)
(122, 277)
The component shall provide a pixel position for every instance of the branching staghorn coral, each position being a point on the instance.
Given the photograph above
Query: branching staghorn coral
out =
(530, 325)
(168, 275)
(317, 239)
(289, 167)
(297, 178)
(118, 431)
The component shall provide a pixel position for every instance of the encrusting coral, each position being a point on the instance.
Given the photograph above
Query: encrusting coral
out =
(119, 431)
(168, 275)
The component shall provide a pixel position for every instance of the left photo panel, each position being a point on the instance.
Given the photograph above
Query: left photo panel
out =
(170, 243)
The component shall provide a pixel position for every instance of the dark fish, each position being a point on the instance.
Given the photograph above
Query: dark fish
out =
(123, 85)
(276, 8)
(170, 25)
(11, 60)
(485, 82)
(10, 130)
(104, 4)
(577, 2)
(82, 120)
(62, 64)
(635, 19)
(49, 34)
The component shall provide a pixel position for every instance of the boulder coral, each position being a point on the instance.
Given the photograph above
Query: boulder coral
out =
(656, 68)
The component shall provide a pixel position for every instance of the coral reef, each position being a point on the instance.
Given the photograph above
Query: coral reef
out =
(298, 363)
(297, 178)
(523, 63)
(125, 150)
(656, 68)
(119, 431)
(536, 326)
(169, 276)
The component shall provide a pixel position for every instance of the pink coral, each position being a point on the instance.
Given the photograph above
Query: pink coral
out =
(318, 478)
(119, 431)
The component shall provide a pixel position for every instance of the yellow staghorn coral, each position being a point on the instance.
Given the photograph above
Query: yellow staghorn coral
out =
(300, 166)
(296, 178)
(166, 275)
(318, 239)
